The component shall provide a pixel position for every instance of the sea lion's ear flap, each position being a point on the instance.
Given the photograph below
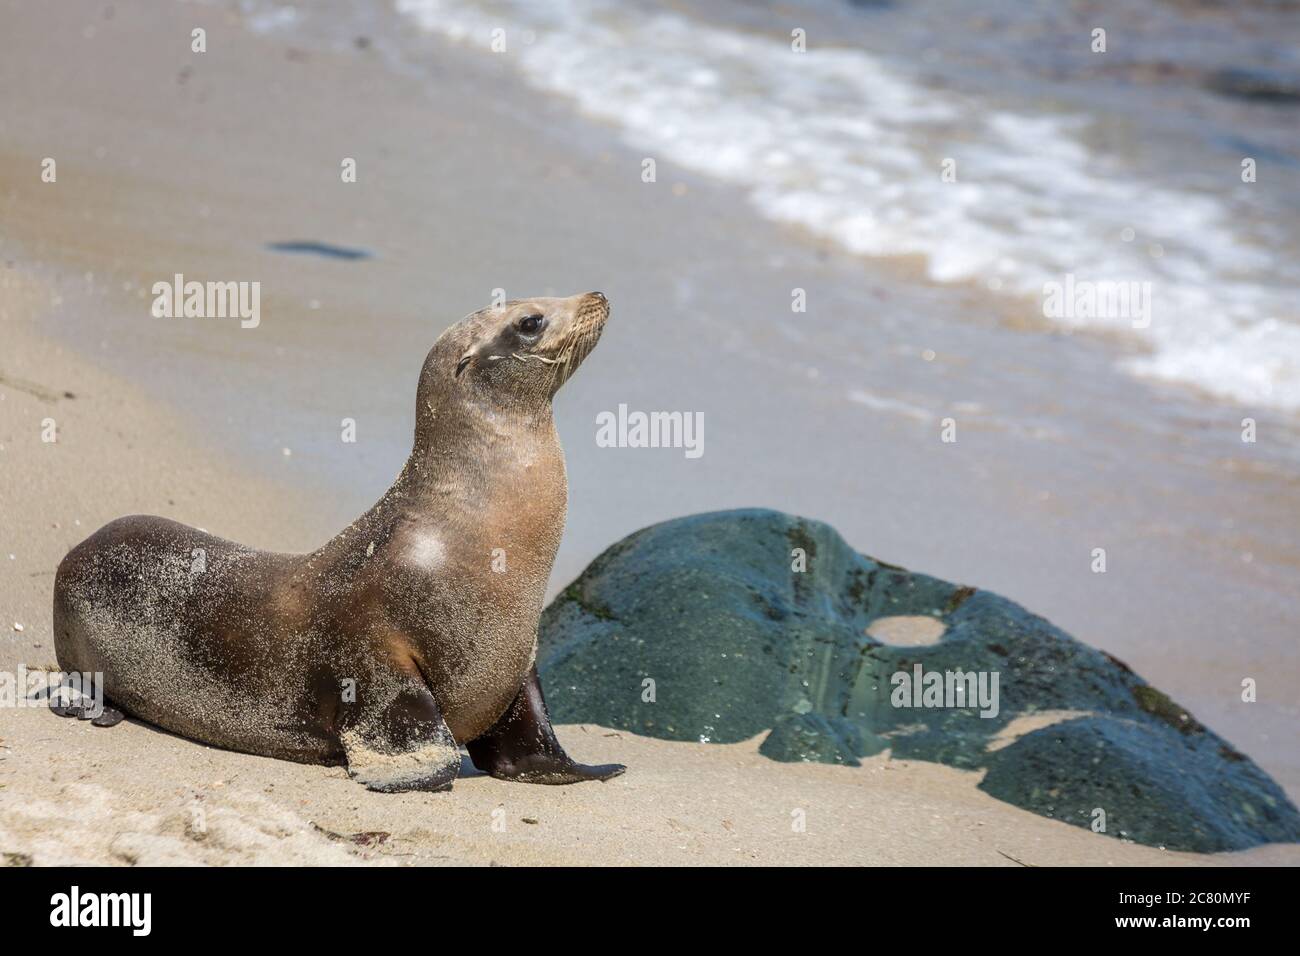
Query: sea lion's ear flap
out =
(464, 360)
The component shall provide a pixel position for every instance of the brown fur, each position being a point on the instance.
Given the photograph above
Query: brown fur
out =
(254, 651)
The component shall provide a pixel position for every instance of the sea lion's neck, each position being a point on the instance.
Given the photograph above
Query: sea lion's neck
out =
(470, 452)
(470, 461)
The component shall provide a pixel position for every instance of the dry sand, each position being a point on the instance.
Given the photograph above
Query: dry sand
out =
(71, 793)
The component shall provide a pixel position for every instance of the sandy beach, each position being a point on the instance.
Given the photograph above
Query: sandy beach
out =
(469, 181)
(71, 793)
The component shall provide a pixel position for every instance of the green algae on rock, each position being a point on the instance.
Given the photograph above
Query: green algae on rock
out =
(722, 626)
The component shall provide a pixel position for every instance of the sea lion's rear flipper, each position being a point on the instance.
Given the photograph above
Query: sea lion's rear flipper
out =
(522, 745)
(111, 717)
(404, 744)
(83, 700)
(68, 708)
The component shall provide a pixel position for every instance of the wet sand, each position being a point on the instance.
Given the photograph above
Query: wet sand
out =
(171, 162)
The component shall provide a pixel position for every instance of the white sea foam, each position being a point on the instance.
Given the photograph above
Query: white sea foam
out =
(834, 141)
(271, 17)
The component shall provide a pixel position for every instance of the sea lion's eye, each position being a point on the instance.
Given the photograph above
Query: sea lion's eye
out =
(530, 324)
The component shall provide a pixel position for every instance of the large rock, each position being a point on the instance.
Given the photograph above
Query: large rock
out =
(704, 628)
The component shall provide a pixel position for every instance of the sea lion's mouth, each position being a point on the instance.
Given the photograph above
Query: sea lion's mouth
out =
(578, 338)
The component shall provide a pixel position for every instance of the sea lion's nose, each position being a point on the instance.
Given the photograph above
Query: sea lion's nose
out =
(598, 295)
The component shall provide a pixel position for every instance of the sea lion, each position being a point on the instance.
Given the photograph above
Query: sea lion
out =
(411, 632)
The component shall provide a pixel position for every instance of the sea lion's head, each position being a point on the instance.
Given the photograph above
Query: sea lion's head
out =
(515, 355)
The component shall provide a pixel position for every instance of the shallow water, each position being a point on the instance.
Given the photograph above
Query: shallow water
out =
(1116, 166)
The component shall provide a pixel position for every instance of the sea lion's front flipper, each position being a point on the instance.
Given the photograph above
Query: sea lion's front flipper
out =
(403, 744)
(522, 745)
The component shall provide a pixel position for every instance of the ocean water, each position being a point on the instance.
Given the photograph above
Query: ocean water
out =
(1121, 167)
